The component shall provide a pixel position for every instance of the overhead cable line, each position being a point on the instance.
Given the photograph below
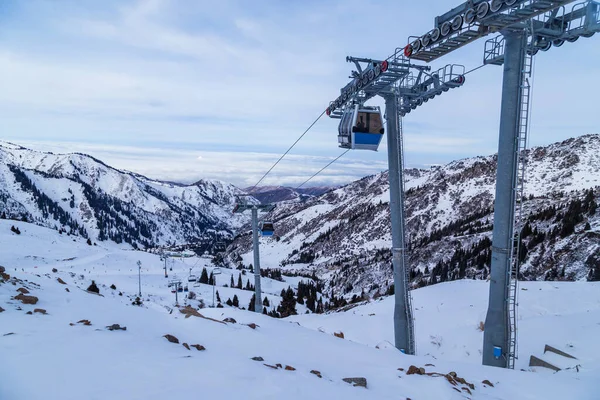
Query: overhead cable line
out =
(286, 152)
(304, 133)
(322, 169)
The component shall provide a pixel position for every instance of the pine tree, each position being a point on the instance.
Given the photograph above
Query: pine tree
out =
(204, 276)
(239, 284)
(236, 301)
(266, 302)
(229, 302)
(231, 284)
(218, 297)
(251, 306)
(211, 279)
(264, 310)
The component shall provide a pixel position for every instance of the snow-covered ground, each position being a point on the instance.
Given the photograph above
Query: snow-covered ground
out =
(53, 356)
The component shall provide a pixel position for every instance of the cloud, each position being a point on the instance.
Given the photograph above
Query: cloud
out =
(240, 81)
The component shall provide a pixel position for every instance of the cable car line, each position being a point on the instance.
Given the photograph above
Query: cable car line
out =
(286, 152)
(322, 169)
(304, 133)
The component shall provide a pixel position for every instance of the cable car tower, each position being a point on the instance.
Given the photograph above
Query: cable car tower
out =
(404, 87)
(266, 229)
(525, 27)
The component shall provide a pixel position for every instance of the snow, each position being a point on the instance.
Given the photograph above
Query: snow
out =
(47, 358)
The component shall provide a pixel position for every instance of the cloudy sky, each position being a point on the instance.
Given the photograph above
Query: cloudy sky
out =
(189, 89)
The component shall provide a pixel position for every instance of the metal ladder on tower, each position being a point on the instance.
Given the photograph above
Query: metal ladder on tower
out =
(512, 279)
(412, 347)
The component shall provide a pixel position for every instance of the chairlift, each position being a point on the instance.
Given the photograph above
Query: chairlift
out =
(185, 289)
(266, 228)
(180, 289)
(220, 247)
(361, 128)
(192, 278)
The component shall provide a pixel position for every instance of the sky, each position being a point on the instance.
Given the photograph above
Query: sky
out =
(181, 90)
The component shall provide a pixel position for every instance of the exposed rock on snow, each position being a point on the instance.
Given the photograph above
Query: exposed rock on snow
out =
(362, 382)
(116, 327)
(26, 299)
(171, 338)
(317, 373)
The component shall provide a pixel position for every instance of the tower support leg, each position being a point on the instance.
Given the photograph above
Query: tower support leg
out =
(403, 324)
(497, 325)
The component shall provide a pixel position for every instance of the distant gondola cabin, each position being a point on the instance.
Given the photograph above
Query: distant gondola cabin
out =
(266, 229)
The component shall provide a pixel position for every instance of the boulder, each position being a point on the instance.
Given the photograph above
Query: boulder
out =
(362, 382)
(187, 346)
(85, 322)
(23, 290)
(199, 347)
(486, 382)
(171, 338)
(40, 310)
(317, 373)
(229, 319)
(415, 370)
(289, 368)
(2, 309)
(26, 299)
(252, 325)
(116, 327)
(257, 359)
(340, 334)
(61, 281)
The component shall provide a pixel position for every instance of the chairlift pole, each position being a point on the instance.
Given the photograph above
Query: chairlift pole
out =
(257, 291)
(139, 264)
(239, 208)
(214, 284)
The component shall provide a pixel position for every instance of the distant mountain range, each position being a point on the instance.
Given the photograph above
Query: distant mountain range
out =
(276, 194)
(81, 195)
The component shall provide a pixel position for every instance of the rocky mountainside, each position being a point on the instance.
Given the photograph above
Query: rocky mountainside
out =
(344, 235)
(79, 194)
(276, 194)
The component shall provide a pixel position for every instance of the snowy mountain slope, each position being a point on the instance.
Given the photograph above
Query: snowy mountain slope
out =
(53, 356)
(345, 236)
(87, 197)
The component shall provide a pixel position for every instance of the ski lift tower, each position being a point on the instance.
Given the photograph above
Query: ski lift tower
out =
(525, 27)
(242, 206)
(404, 86)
